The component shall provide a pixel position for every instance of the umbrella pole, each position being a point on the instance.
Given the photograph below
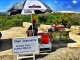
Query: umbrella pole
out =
(32, 24)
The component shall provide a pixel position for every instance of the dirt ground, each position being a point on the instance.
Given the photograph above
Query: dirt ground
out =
(6, 44)
(6, 49)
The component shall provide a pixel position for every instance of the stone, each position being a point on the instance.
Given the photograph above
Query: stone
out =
(26, 24)
(73, 45)
(74, 37)
(75, 29)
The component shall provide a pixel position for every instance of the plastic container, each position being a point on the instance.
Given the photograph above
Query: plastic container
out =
(45, 38)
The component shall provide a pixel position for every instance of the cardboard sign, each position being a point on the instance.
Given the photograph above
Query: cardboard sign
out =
(25, 45)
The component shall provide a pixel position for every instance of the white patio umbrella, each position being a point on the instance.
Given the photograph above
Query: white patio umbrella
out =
(30, 6)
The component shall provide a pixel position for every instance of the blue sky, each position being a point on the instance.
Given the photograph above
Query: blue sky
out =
(55, 5)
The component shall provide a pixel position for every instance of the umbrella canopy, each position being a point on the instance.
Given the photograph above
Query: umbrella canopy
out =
(31, 5)
(18, 7)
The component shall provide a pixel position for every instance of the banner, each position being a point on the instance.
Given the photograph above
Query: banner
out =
(25, 45)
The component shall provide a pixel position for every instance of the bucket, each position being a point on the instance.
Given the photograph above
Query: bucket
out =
(45, 38)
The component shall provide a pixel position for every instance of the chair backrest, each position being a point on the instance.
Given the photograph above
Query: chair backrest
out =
(45, 38)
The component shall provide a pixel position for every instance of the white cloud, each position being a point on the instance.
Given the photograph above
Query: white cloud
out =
(69, 6)
(74, 1)
(7, 7)
(61, 5)
(51, 6)
(55, 1)
(2, 10)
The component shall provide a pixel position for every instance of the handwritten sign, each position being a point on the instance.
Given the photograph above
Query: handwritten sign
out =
(25, 45)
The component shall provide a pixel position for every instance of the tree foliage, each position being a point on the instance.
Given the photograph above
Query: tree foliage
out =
(67, 19)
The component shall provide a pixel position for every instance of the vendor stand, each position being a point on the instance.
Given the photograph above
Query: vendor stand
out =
(60, 34)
